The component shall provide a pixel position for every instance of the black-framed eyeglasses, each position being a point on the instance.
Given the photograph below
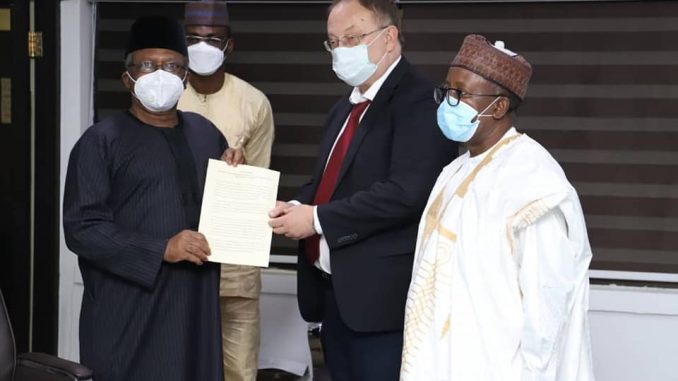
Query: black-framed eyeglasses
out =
(453, 95)
(217, 42)
(349, 41)
(146, 67)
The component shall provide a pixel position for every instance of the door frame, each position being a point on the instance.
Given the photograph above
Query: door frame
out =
(47, 220)
(16, 185)
(29, 229)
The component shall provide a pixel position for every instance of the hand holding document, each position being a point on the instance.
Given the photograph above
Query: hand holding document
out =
(234, 215)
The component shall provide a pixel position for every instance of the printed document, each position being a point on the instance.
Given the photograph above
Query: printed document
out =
(234, 215)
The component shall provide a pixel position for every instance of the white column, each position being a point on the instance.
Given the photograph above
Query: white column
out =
(77, 32)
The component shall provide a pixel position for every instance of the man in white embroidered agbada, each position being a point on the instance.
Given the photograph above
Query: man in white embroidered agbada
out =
(499, 289)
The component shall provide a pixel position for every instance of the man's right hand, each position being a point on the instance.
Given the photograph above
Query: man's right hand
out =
(234, 156)
(187, 245)
(279, 209)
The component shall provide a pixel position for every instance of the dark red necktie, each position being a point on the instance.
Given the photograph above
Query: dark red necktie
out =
(326, 187)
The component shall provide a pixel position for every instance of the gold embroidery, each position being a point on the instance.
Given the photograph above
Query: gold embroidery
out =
(446, 233)
(426, 283)
(432, 216)
(463, 187)
(446, 328)
(429, 280)
(523, 218)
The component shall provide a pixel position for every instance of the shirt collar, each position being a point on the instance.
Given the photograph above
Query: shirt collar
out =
(357, 97)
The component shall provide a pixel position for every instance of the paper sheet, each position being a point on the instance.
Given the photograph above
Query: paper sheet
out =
(234, 215)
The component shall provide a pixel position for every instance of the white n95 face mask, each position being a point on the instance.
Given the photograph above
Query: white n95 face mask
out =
(205, 59)
(158, 91)
(352, 65)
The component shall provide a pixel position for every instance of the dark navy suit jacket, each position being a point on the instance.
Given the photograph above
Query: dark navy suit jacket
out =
(371, 221)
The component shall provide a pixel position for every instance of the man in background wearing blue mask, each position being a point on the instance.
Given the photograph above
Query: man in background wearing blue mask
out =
(358, 215)
(243, 115)
(150, 309)
(499, 288)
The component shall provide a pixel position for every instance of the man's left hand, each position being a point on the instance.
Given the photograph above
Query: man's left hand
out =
(234, 156)
(296, 222)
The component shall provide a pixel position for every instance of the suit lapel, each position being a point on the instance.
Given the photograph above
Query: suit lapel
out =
(380, 103)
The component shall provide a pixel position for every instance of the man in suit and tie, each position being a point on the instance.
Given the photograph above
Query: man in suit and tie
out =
(358, 216)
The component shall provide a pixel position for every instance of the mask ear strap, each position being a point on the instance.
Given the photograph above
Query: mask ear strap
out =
(379, 35)
(381, 59)
(130, 76)
(133, 81)
(385, 53)
(488, 106)
(480, 114)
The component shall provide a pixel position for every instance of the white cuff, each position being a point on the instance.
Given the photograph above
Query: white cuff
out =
(316, 221)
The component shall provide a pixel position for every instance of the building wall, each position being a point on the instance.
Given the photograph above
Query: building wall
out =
(634, 330)
(634, 333)
(601, 98)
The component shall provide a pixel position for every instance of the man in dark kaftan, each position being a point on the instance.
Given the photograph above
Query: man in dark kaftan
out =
(150, 309)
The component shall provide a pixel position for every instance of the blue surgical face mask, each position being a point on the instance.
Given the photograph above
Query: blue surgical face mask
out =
(460, 122)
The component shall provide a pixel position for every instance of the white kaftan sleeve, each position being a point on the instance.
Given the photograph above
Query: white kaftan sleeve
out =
(546, 275)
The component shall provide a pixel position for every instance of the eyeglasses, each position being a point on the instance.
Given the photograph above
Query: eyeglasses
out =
(453, 95)
(217, 42)
(149, 67)
(349, 41)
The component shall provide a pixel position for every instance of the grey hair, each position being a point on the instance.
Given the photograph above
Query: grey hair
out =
(129, 60)
(386, 12)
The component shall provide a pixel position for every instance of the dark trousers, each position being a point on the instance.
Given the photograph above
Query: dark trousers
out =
(358, 356)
